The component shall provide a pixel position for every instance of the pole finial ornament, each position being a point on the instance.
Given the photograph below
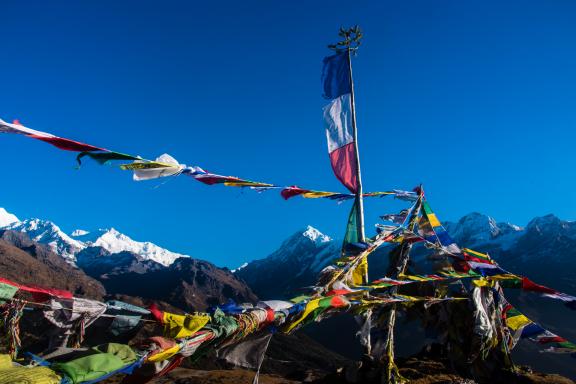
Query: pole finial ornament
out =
(352, 40)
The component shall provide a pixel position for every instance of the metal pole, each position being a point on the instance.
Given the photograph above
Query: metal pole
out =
(359, 199)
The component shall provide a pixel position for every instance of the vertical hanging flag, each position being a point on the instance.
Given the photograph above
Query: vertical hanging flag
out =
(338, 119)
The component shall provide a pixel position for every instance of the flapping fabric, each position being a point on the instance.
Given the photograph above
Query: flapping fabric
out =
(67, 144)
(7, 291)
(341, 146)
(164, 165)
(337, 87)
(105, 157)
(177, 326)
(336, 76)
(524, 328)
(18, 128)
(27, 375)
(48, 292)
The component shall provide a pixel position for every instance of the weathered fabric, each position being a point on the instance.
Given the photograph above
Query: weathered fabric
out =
(5, 361)
(105, 157)
(164, 165)
(63, 316)
(482, 322)
(25, 375)
(275, 305)
(365, 322)
(72, 317)
(223, 325)
(18, 128)
(178, 326)
(42, 294)
(117, 306)
(106, 359)
(122, 324)
(190, 345)
(127, 318)
(161, 348)
(7, 291)
(249, 353)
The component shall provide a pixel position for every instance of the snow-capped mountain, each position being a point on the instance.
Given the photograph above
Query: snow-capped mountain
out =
(7, 218)
(309, 247)
(116, 242)
(46, 232)
(477, 229)
(538, 250)
(296, 263)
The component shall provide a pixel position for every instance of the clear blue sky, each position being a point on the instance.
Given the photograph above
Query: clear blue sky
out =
(475, 99)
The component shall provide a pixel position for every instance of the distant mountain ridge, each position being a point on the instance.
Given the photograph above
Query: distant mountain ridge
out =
(295, 264)
(68, 246)
(521, 249)
(106, 262)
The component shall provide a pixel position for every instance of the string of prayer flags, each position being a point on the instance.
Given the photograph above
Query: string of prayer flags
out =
(522, 327)
(42, 293)
(165, 165)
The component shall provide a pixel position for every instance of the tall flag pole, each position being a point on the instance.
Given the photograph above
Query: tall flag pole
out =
(342, 136)
(340, 118)
(359, 193)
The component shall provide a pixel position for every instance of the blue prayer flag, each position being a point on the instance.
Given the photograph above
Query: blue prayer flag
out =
(336, 76)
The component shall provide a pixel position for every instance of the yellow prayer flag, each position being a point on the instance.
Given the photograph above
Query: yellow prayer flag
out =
(310, 307)
(517, 322)
(166, 354)
(178, 326)
(434, 222)
(360, 272)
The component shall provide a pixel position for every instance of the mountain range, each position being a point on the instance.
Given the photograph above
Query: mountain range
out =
(542, 246)
(545, 244)
(106, 263)
(68, 246)
(544, 250)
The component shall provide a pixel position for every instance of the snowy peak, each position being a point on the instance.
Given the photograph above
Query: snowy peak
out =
(475, 227)
(308, 248)
(294, 264)
(315, 235)
(116, 242)
(6, 218)
(303, 242)
(46, 232)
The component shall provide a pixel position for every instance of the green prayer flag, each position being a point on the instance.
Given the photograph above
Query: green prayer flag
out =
(351, 235)
(104, 157)
(7, 291)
